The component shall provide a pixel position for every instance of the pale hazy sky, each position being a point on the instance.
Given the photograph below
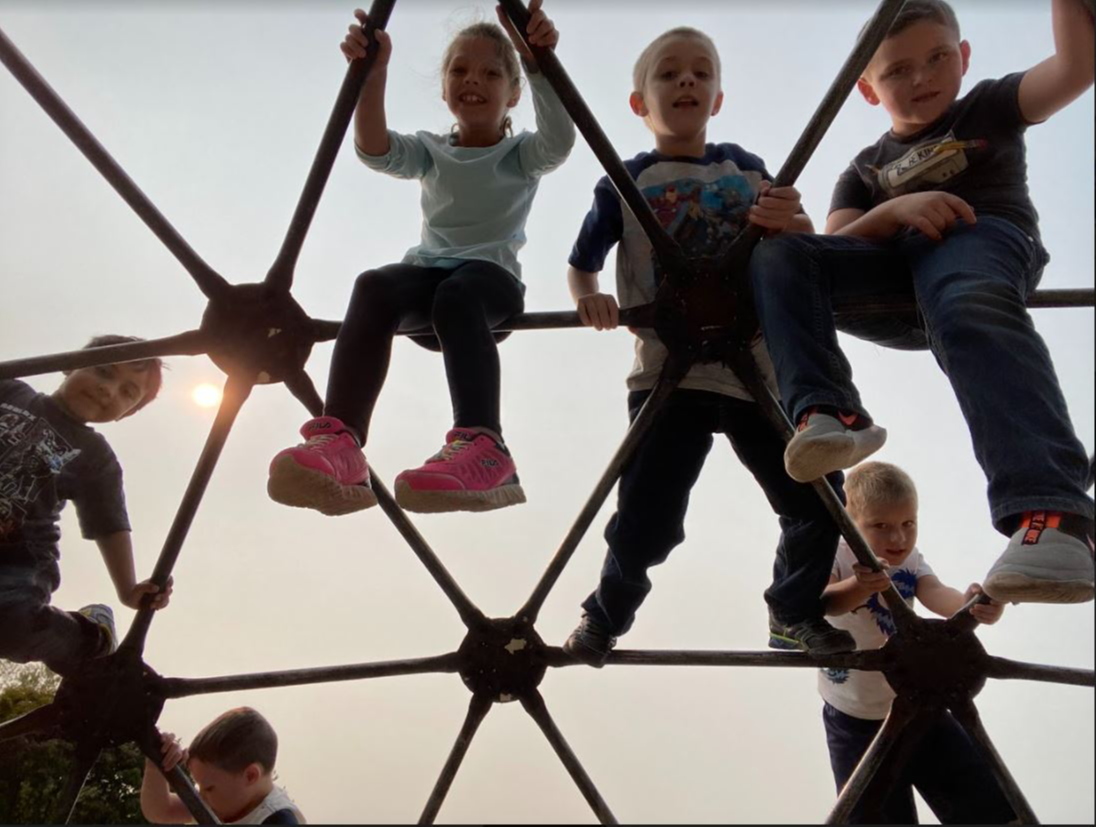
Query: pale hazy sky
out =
(216, 111)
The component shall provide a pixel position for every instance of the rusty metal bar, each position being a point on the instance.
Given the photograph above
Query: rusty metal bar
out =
(179, 782)
(479, 706)
(191, 343)
(895, 724)
(281, 272)
(468, 611)
(42, 719)
(817, 127)
(535, 705)
(666, 248)
(185, 687)
(84, 757)
(235, 394)
(208, 281)
(1005, 669)
(967, 715)
(673, 372)
(747, 370)
(870, 660)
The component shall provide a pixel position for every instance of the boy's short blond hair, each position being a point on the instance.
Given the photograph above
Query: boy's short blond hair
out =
(878, 483)
(915, 11)
(644, 63)
(235, 740)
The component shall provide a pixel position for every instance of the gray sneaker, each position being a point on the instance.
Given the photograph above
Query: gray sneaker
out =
(101, 615)
(590, 643)
(814, 636)
(825, 443)
(1043, 565)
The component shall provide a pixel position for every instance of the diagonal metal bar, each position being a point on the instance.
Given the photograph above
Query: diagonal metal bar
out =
(304, 391)
(43, 719)
(1005, 669)
(470, 615)
(208, 281)
(84, 757)
(895, 724)
(535, 706)
(817, 127)
(674, 370)
(235, 394)
(666, 248)
(479, 706)
(747, 370)
(280, 275)
(870, 660)
(185, 687)
(179, 781)
(965, 712)
(191, 343)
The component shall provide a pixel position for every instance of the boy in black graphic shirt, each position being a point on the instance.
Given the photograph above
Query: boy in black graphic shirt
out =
(939, 208)
(49, 455)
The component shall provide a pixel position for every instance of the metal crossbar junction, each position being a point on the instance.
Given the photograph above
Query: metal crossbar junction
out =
(258, 334)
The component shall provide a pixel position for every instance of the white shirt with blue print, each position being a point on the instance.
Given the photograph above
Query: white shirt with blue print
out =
(702, 203)
(861, 694)
(476, 199)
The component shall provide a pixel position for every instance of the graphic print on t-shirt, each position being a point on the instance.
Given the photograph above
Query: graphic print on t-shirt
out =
(702, 216)
(31, 454)
(926, 166)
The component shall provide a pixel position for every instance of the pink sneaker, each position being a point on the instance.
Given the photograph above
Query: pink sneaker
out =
(328, 472)
(472, 472)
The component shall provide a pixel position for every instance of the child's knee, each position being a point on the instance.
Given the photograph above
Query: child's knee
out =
(776, 260)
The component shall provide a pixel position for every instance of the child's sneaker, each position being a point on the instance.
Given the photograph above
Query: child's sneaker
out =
(825, 443)
(472, 472)
(1046, 561)
(328, 472)
(102, 615)
(814, 636)
(590, 643)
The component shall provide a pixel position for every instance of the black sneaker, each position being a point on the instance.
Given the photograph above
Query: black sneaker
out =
(814, 636)
(590, 643)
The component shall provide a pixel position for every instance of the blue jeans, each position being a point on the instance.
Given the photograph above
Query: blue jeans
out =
(970, 292)
(653, 496)
(33, 630)
(945, 767)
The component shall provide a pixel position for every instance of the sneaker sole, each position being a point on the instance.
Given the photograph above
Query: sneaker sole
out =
(1010, 587)
(787, 644)
(440, 502)
(294, 485)
(826, 454)
(584, 654)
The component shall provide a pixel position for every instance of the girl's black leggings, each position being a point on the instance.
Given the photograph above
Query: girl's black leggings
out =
(462, 304)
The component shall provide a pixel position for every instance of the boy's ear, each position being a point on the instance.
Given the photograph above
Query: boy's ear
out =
(636, 103)
(252, 773)
(965, 55)
(718, 104)
(867, 92)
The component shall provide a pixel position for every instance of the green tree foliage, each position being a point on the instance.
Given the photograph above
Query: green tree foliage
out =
(32, 771)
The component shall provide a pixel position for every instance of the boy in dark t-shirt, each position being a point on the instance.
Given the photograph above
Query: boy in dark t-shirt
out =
(939, 207)
(49, 455)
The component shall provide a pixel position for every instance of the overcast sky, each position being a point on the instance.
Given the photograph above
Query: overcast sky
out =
(216, 110)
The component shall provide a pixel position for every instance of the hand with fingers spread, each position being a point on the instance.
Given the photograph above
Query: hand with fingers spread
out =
(931, 213)
(541, 31)
(355, 45)
(598, 310)
(775, 208)
(986, 613)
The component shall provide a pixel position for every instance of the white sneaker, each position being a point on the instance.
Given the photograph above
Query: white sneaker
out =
(1042, 564)
(825, 443)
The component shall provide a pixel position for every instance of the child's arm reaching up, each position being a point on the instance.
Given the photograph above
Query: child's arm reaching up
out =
(843, 596)
(158, 804)
(1052, 84)
(597, 310)
(117, 552)
(370, 127)
(946, 601)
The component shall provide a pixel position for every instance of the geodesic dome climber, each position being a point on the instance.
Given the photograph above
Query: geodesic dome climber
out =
(258, 334)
